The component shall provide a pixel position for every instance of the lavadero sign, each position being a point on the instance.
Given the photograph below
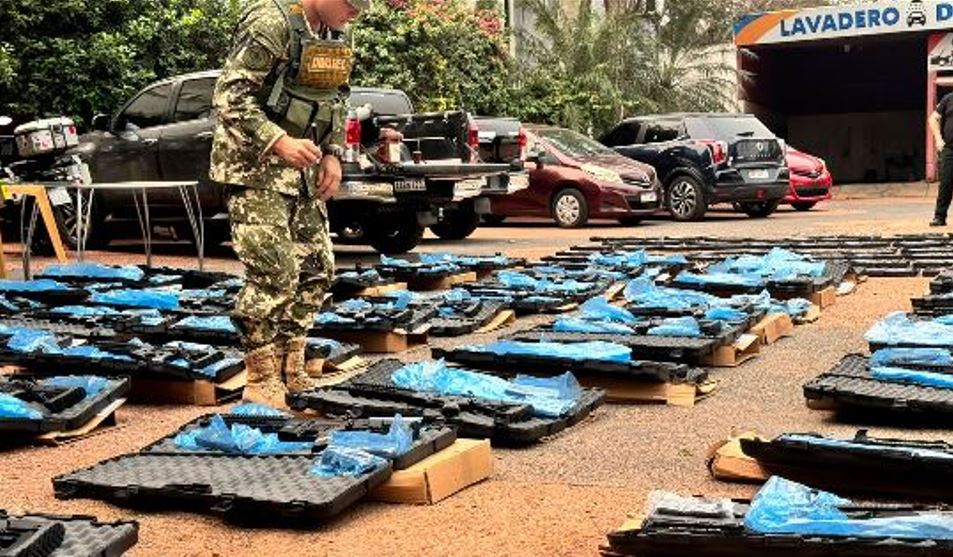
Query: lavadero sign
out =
(847, 21)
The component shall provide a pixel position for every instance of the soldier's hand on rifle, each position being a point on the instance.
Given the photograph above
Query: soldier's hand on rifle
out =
(329, 177)
(299, 153)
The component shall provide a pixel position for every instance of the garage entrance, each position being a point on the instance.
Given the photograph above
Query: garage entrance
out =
(856, 94)
(858, 104)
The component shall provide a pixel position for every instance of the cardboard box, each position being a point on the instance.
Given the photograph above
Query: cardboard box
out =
(439, 476)
(746, 347)
(623, 390)
(825, 298)
(727, 462)
(773, 328)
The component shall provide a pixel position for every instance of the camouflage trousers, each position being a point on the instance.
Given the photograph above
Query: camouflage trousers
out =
(284, 243)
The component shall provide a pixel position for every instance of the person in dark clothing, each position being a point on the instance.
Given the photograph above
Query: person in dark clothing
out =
(941, 124)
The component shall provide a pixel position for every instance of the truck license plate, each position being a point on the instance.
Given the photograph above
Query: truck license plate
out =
(518, 182)
(409, 185)
(58, 196)
(760, 174)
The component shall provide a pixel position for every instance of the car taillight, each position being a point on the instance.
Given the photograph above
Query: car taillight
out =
(719, 150)
(522, 140)
(473, 140)
(352, 137)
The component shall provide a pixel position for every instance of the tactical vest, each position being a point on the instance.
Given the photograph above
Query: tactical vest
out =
(306, 95)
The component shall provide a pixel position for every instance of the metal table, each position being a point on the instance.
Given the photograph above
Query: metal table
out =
(188, 191)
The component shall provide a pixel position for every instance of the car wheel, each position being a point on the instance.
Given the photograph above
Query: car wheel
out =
(630, 221)
(65, 217)
(394, 234)
(493, 220)
(804, 205)
(686, 198)
(570, 209)
(457, 224)
(760, 209)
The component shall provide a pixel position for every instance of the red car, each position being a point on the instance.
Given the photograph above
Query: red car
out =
(810, 180)
(576, 179)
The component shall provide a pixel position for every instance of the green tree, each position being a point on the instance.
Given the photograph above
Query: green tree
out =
(442, 53)
(79, 57)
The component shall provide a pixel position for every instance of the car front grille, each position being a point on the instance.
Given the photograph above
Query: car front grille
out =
(811, 192)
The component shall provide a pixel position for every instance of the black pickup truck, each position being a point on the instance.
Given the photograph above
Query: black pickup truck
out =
(707, 158)
(165, 131)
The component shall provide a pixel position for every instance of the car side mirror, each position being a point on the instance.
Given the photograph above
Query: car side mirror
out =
(101, 122)
(538, 158)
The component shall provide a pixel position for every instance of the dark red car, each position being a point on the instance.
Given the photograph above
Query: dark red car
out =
(811, 181)
(577, 179)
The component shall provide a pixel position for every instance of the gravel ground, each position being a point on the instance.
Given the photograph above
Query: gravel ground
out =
(558, 498)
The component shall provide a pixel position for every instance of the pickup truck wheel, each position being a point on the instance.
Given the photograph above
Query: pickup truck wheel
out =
(493, 220)
(65, 217)
(394, 234)
(457, 224)
(804, 205)
(570, 209)
(760, 209)
(686, 198)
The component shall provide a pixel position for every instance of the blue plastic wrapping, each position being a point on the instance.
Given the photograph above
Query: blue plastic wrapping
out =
(7, 304)
(794, 307)
(16, 409)
(762, 301)
(391, 445)
(205, 294)
(539, 299)
(222, 323)
(944, 319)
(731, 315)
(252, 409)
(889, 357)
(777, 264)
(92, 352)
(925, 378)
(551, 397)
(85, 311)
(872, 448)
(212, 370)
(576, 325)
(719, 279)
(371, 275)
(677, 327)
(237, 439)
(333, 345)
(603, 351)
(599, 309)
(330, 318)
(642, 292)
(93, 385)
(342, 461)
(30, 340)
(154, 299)
(38, 285)
(897, 328)
(786, 507)
(356, 305)
(94, 271)
(513, 279)
(566, 386)
(458, 295)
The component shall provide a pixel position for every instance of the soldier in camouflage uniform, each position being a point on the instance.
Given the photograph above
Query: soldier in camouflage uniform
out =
(280, 102)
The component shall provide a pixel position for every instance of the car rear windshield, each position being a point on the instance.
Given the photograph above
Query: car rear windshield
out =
(574, 144)
(726, 127)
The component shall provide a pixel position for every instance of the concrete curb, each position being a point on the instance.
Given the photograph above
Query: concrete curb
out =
(875, 191)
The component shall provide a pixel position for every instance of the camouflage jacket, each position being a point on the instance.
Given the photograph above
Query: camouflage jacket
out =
(244, 135)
